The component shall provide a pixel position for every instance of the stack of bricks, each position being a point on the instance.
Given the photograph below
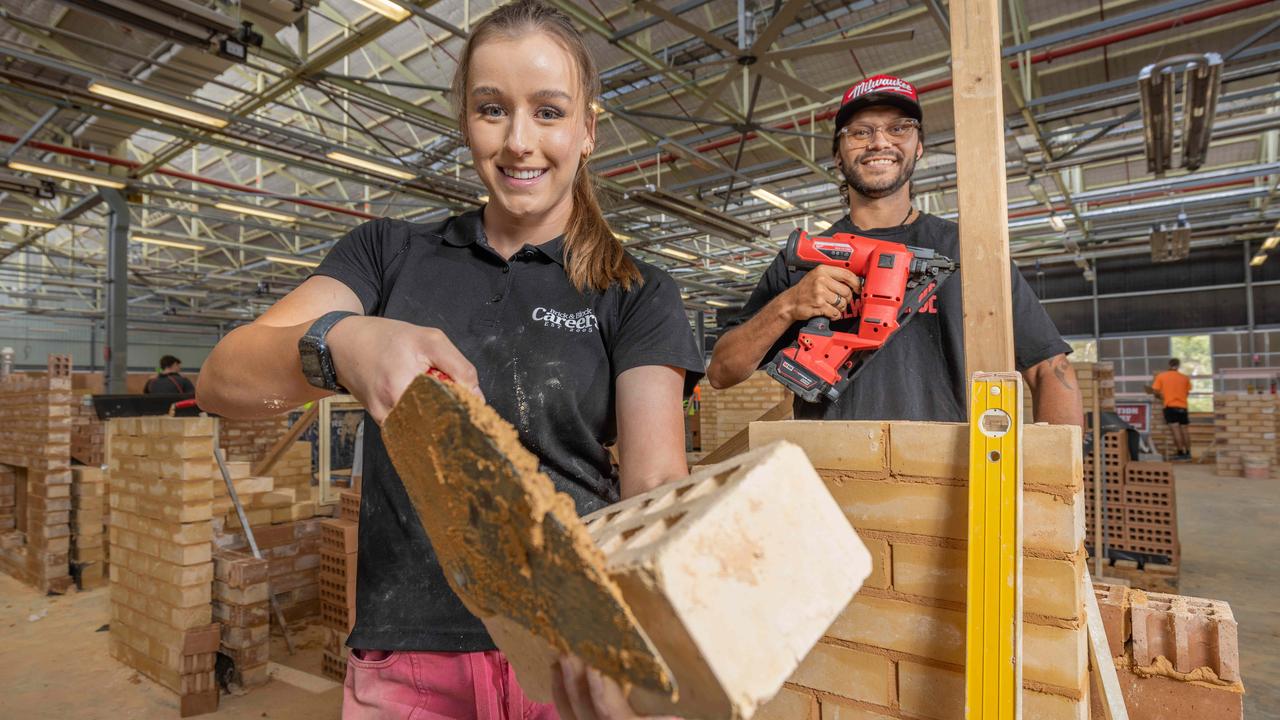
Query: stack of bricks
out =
(88, 533)
(285, 495)
(1244, 425)
(8, 499)
(292, 551)
(338, 583)
(249, 440)
(1140, 520)
(1175, 656)
(35, 440)
(725, 413)
(899, 648)
(241, 603)
(161, 494)
(292, 476)
(86, 432)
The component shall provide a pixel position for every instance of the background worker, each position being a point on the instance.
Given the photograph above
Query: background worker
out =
(530, 301)
(1173, 388)
(919, 374)
(169, 381)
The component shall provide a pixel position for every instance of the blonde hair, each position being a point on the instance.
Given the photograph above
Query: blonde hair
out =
(594, 259)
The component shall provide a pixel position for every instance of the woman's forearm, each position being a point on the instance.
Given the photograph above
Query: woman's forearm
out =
(255, 371)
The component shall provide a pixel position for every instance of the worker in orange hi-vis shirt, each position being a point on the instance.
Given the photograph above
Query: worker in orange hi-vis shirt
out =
(1172, 387)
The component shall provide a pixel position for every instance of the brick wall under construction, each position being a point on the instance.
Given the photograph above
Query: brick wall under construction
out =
(898, 650)
(1245, 432)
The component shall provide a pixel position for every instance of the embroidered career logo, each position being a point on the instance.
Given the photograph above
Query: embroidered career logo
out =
(583, 321)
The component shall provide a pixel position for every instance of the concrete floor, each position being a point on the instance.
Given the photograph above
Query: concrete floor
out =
(57, 666)
(1231, 551)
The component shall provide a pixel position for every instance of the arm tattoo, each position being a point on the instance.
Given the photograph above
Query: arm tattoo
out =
(1061, 366)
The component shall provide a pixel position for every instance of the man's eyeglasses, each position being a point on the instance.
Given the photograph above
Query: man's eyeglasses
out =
(897, 131)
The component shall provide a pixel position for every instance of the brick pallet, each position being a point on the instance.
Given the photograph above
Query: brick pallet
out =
(1139, 512)
(35, 480)
(898, 651)
(161, 493)
(1245, 428)
(241, 603)
(88, 531)
(1175, 656)
(339, 544)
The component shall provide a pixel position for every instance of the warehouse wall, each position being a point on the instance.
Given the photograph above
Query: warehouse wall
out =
(34, 339)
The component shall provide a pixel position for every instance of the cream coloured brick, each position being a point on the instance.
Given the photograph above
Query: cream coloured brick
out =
(1043, 456)
(931, 692)
(933, 572)
(857, 446)
(1044, 706)
(1053, 587)
(1053, 655)
(906, 627)
(1051, 523)
(939, 450)
(789, 704)
(847, 673)
(919, 508)
(833, 709)
(880, 563)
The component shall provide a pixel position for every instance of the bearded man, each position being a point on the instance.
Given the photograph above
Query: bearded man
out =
(919, 374)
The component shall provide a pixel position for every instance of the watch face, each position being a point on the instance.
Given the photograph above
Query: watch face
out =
(309, 351)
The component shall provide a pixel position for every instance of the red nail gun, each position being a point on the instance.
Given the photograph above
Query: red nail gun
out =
(897, 281)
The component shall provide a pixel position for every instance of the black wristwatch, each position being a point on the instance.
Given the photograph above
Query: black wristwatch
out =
(317, 362)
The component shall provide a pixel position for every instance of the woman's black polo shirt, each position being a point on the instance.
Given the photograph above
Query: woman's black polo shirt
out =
(547, 357)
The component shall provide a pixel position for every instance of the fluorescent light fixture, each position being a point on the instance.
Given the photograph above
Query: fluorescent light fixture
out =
(623, 237)
(293, 261)
(822, 226)
(167, 243)
(717, 303)
(385, 8)
(774, 200)
(182, 112)
(253, 210)
(678, 254)
(1271, 242)
(1201, 79)
(26, 221)
(1258, 259)
(65, 174)
(484, 198)
(371, 166)
(735, 269)
(1056, 222)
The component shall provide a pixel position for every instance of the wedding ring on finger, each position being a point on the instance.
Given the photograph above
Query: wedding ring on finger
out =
(839, 301)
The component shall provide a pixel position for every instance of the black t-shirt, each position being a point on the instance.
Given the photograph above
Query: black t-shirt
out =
(919, 373)
(547, 357)
(168, 384)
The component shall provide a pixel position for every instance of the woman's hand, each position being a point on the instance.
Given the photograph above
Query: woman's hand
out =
(582, 693)
(823, 291)
(376, 359)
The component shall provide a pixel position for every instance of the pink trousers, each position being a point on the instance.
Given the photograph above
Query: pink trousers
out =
(435, 686)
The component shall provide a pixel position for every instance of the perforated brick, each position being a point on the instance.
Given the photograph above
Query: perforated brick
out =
(1149, 473)
(1190, 632)
(1148, 496)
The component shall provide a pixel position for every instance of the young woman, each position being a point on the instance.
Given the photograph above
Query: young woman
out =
(531, 302)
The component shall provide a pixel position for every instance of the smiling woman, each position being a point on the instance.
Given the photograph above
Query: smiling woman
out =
(531, 302)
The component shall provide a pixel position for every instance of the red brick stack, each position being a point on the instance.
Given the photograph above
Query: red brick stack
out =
(88, 534)
(86, 432)
(241, 603)
(338, 584)
(161, 493)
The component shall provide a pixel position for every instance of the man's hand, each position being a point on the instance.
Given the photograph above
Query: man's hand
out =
(582, 693)
(376, 359)
(823, 291)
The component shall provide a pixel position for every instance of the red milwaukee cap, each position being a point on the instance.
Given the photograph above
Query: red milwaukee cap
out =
(879, 90)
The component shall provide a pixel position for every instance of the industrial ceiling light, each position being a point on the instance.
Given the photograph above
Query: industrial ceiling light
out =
(730, 267)
(62, 173)
(5, 219)
(371, 166)
(774, 200)
(385, 8)
(1258, 259)
(622, 237)
(717, 303)
(167, 243)
(1156, 89)
(292, 261)
(1271, 242)
(1057, 223)
(186, 111)
(678, 254)
(1169, 244)
(252, 210)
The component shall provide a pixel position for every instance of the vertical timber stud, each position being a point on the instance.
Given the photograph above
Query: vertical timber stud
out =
(977, 95)
(993, 633)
